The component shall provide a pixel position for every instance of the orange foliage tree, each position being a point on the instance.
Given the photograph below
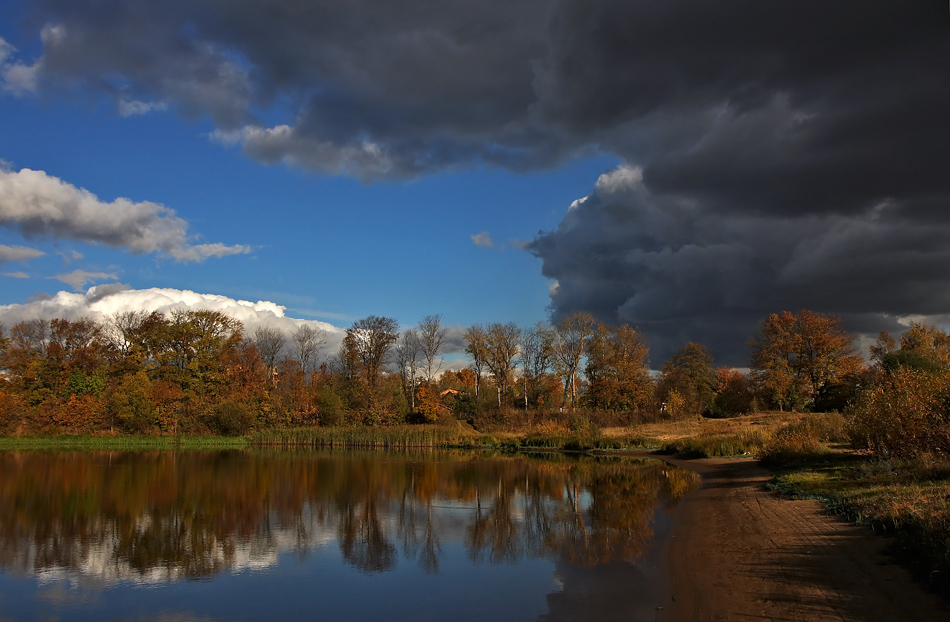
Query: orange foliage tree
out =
(795, 357)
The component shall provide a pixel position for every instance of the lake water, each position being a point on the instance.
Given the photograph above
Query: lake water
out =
(264, 535)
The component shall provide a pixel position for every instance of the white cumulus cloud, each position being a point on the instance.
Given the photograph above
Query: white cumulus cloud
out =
(618, 180)
(15, 77)
(40, 205)
(103, 301)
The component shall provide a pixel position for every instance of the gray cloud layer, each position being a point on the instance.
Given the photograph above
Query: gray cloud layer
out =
(787, 154)
(18, 253)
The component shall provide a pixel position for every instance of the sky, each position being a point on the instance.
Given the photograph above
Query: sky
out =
(684, 167)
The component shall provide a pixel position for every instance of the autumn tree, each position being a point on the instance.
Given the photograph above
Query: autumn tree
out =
(24, 356)
(196, 346)
(795, 357)
(689, 372)
(131, 403)
(904, 415)
(922, 347)
(617, 370)
(77, 352)
(348, 382)
(733, 393)
(569, 345)
(476, 347)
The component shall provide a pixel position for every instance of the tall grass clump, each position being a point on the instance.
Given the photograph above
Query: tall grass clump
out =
(805, 439)
(578, 434)
(394, 437)
(743, 443)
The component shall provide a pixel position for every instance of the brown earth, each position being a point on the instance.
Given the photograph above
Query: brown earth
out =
(739, 552)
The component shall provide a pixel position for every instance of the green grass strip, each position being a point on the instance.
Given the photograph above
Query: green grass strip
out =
(131, 443)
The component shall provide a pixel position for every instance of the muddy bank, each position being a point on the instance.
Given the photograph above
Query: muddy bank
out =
(739, 552)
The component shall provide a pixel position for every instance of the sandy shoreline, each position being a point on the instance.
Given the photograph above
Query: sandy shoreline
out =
(739, 552)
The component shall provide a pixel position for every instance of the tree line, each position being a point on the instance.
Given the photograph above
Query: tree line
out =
(198, 371)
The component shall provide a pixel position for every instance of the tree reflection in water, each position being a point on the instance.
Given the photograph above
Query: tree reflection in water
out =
(152, 517)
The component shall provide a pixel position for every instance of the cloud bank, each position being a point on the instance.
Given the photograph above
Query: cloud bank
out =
(42, 206)
(683, 271)
(103, 301)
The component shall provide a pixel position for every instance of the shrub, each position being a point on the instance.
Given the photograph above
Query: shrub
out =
(804, 439)
(904, 415)
(11, 412)
(712, 445)
(232, 418)
(330, 407)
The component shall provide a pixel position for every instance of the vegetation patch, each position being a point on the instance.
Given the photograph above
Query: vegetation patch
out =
(746, 443)
(130, 443)
(383, 437)
(804, 440)
(908, 499)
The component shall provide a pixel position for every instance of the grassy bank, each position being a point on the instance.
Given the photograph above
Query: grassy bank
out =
(383, 437)
(421, 436)
(126, 443)
(909, 500)
(394, 437)
(774, 437)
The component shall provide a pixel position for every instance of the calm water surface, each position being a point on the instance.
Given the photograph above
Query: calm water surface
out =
(257, 535)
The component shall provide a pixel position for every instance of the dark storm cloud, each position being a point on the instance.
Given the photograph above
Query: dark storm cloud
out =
(680, 270)
(779, 155)
(368, 88)
(786, 156)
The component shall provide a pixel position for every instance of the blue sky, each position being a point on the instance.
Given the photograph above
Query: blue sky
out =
(326, 247)
(686, 169)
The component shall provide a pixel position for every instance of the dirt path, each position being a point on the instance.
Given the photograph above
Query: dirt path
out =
(739, 552)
